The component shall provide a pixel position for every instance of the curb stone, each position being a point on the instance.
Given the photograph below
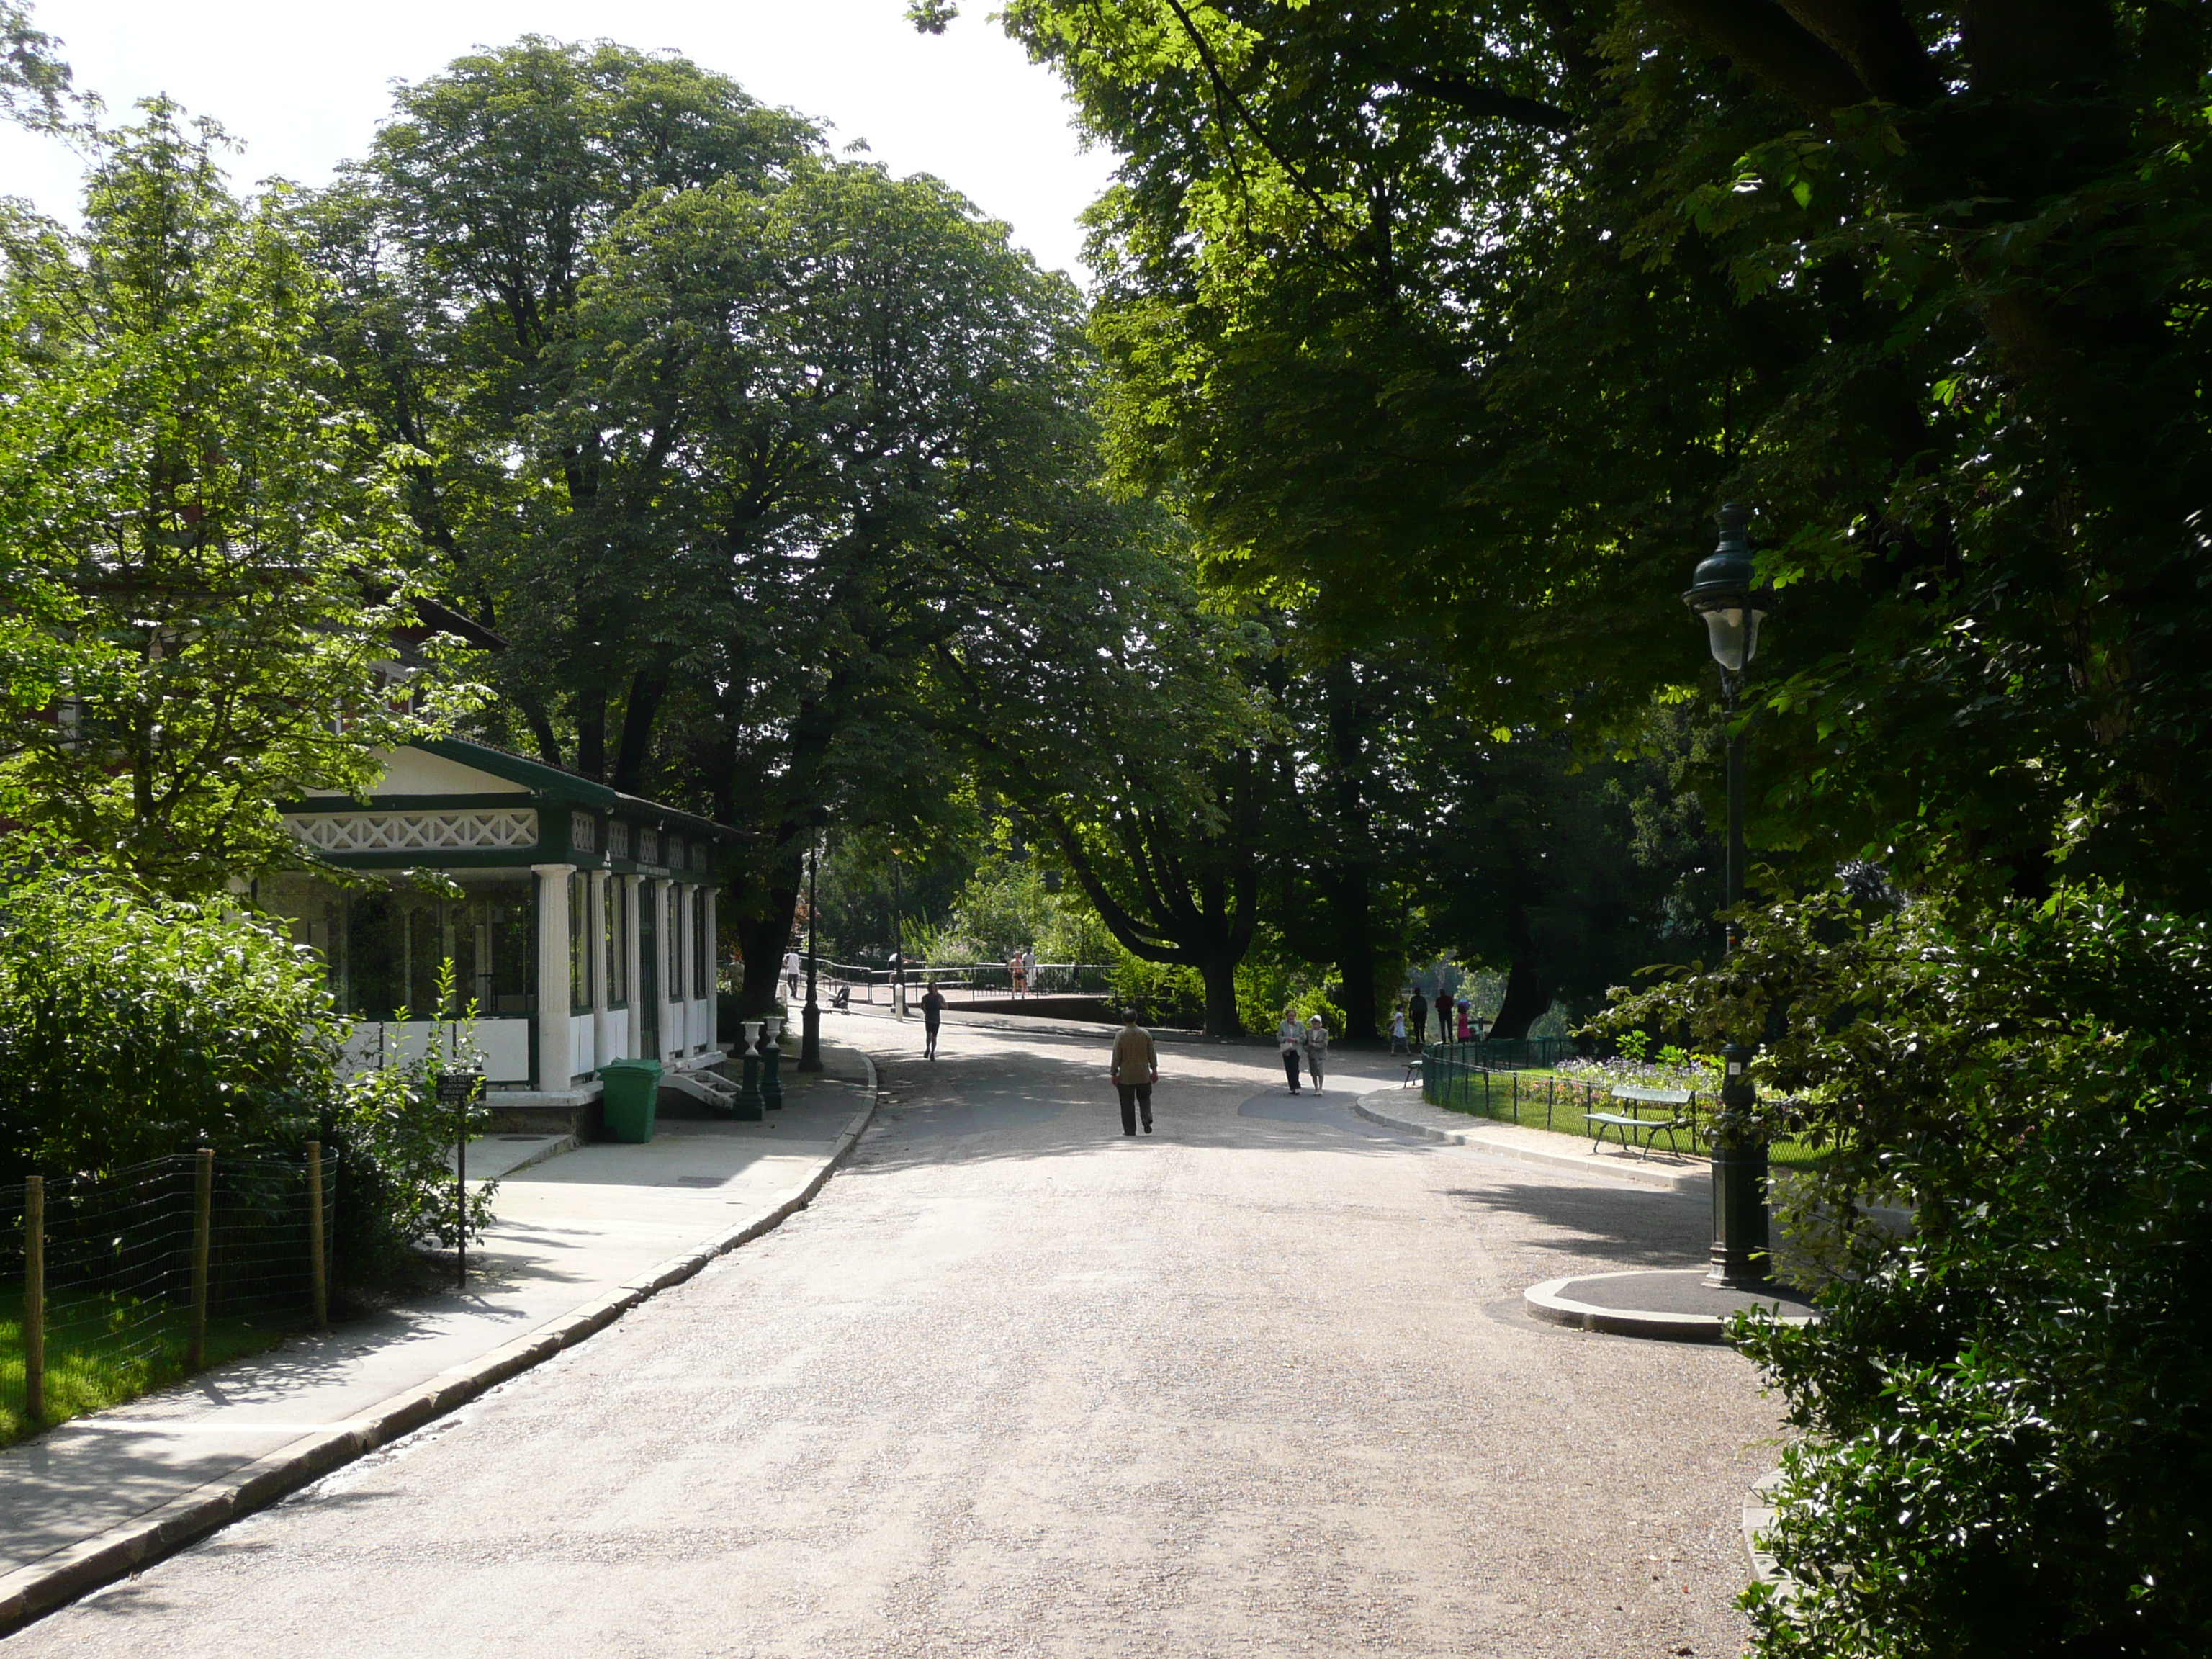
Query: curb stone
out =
(31, 1592)
(1758, 1518)
(1696, 1182)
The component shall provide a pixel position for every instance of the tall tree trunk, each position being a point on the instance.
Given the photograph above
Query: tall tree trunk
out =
(592, 733)
(1218, 972)
(1351, 907)
(1528, 997)
(764, 933)
(646, 691)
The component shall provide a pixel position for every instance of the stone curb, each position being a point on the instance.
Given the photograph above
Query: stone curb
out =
(1548, 1301)
(31, 1592)
(1758, 1517)
(1545, 1301)
(1696, 1182)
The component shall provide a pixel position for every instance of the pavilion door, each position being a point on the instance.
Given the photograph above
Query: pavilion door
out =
(646, 1002)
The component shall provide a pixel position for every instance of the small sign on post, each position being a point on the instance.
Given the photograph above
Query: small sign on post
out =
(459, 1090)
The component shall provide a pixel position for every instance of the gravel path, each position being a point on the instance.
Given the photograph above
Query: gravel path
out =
(1015, 1385)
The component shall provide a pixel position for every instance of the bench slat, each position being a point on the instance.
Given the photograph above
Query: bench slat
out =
(1654, 1097)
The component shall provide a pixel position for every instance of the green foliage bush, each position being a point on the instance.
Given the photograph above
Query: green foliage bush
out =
(2007, 1416)
(132, 1026)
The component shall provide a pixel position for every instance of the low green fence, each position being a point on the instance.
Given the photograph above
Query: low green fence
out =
(1479, 1078)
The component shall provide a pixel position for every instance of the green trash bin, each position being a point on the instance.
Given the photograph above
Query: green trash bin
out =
(633, 1090)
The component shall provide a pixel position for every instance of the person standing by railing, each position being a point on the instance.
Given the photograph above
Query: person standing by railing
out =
(1417, 1011)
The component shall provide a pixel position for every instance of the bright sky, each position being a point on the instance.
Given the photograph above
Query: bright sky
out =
(304, 84)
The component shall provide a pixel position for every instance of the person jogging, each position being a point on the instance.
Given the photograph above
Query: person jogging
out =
(933, 1011)
(1290, 1037)
(1136, 1068)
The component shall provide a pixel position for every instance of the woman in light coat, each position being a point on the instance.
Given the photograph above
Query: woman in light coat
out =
(1316, 1043)
(1290, 1037)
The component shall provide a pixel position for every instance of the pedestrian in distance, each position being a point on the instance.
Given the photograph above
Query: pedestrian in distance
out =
(1136, 1068)
(933, 1011)
(1014, 977)
(1029, 969)
(791, 969)
(1417, 1009)
(1290, 1037)
(1466, 1022)
(1316, 1043)
(1397, 1030)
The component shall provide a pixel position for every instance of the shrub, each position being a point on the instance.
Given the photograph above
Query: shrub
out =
(2008, 1416)
(132, 1026)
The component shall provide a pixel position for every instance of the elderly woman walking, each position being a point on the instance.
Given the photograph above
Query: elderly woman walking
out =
(1316, 1043)
(1289, 1038)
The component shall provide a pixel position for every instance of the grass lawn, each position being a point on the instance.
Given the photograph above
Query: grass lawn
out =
(1542, 1099)
(95, 1359)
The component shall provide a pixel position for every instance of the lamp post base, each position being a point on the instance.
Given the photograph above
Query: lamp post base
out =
(1741, 1250)
(809, 1038)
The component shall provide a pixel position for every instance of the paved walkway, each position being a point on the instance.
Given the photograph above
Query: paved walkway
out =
(1015, 1385)
(569, 1230)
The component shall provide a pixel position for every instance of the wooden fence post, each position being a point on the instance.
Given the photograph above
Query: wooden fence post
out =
(317, 1270)
(202, 1215)
(34, 1298)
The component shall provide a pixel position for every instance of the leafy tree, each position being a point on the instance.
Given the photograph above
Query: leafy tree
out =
(205, 557)
(1468, 314)
(457, 252)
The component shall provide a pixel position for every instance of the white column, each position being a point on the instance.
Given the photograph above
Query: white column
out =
(553, 1073)
(631, 982)
(602, 1033)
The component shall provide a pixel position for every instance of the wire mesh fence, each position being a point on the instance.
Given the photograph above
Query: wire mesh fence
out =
(115, 1285)
(1475, 1077)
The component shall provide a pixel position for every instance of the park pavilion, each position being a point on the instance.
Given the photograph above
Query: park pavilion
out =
(580, 920)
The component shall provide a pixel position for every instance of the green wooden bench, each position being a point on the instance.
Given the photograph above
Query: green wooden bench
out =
(1672, 1104)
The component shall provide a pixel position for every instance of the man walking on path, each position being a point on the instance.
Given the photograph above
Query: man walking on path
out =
(791, 969)
(1136, 1068)
(1289, 1035)
(933, 1011)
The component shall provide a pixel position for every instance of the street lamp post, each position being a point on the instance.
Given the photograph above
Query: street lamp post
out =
(810, 1018)
(1721, 591)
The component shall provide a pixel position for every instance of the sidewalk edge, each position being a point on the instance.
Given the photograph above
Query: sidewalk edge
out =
(1694, 1182)
(29, 1592)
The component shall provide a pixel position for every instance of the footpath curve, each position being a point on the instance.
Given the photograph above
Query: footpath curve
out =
(115, 1552)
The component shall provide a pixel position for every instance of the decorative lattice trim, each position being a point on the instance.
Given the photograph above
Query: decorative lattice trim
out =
(413, 832)
(583, 832)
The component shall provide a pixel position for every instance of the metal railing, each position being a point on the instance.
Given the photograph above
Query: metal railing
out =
(980, 982)
(1476, 1078)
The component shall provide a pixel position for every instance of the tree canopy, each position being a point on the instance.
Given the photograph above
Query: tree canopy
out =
(1468, 316)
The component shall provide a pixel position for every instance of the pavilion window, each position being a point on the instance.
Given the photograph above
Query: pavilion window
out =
(382, 945)
(617, 932)
(580, 944)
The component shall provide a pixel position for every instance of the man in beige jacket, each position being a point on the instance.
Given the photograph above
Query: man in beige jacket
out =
(1136, 1068)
